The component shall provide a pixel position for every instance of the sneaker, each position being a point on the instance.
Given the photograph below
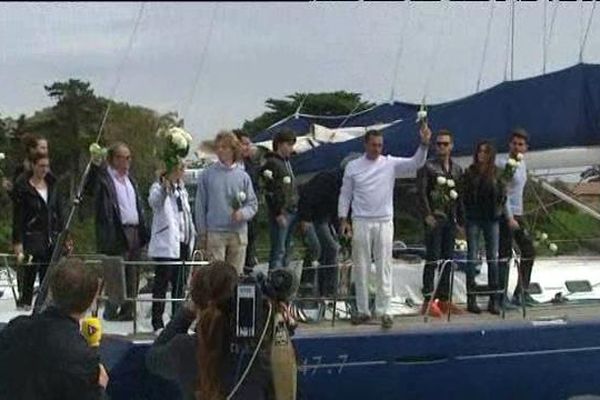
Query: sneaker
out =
(358, 319)
(387, 321)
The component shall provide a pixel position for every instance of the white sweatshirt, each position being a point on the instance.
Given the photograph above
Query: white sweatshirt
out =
(368, 185)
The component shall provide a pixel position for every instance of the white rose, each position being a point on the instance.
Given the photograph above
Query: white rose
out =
(287, 180)
(441, 180)
(553, 247)
(519, 157)
(421, 115)
(268, 174)
(453, 195)
(241, 197)
(512, 162)
(2, 156)
(450, 183)
(536, 244)
(544, 236)
(179, 141)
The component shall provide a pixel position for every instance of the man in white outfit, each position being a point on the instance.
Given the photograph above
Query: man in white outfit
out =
(368, 187)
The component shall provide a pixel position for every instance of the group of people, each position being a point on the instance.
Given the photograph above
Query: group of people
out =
(354, 200)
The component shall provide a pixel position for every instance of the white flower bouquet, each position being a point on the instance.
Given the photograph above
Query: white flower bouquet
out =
(511, 166)
(443, 195)
(176, 146)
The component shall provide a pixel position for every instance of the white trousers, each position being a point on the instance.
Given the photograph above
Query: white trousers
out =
(372, 240)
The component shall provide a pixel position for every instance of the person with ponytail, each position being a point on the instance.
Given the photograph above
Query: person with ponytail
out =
(202, 363)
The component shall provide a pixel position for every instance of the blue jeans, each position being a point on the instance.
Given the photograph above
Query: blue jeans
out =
(321, 240)
(491, 235)
(281, 241)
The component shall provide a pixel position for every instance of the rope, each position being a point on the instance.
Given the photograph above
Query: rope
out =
(485, 45)
(201, 61)
(120, 66)
(435, 53)
(549, 36)
(507, 49)
(587, 32)
(399, 53)
(544, 29)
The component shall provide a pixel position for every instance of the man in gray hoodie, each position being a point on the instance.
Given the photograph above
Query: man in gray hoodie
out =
(225, 202)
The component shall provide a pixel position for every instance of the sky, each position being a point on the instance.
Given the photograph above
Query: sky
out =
(255, 51)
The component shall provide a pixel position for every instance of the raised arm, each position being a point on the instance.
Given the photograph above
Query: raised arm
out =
(410, 165)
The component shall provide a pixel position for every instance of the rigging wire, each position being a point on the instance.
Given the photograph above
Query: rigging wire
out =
(399, 53)
(587, 32)
(435, 49)
(201, 61)
(485, 45)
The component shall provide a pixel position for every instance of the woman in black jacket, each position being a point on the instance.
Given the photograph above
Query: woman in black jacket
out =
(202, 364)
(37, 221)
(484, 199)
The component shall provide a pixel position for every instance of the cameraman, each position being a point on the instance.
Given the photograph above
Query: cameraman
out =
(45, 356)
(202, 364)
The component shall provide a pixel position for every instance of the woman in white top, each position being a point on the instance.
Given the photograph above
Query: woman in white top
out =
(172, 238)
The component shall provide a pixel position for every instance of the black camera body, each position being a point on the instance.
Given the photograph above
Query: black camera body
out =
(249, 304)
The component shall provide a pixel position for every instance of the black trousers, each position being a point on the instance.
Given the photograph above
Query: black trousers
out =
(439, 243)
(524, 242)
(163, 274)
(39, 266)
(251, 247)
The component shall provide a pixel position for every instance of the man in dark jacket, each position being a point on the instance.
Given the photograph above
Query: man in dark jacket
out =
(441, 216)
(45, 356)
(251, 166)
(281, 196)
(317, 213)
(120, 224)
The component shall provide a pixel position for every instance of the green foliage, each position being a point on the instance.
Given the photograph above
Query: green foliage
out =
(334, 103)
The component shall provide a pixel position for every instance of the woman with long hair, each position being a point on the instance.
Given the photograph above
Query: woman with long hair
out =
(484, 198)
(171, 239)
(37, 220)
(202, 363)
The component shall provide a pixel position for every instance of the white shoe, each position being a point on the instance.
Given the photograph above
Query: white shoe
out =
(158, 332)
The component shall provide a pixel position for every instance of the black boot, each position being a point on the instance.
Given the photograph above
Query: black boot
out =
(472, 306)
(493, 305)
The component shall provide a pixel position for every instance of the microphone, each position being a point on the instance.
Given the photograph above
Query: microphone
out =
(91, 329)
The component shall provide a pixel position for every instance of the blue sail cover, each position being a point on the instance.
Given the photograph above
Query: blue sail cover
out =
(560, 109)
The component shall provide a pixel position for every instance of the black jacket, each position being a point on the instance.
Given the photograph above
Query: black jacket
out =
(173, 357)
(110, 236)
(484, 199)
(36, 224)
(426, 182)
(319, 197)
(280, 196)
(45, 357)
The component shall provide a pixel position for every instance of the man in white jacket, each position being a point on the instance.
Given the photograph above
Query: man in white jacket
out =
(368, 187)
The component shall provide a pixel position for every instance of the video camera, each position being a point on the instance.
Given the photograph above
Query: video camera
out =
(248, 303)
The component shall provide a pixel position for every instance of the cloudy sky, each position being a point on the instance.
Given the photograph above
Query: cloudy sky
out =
(262, 50)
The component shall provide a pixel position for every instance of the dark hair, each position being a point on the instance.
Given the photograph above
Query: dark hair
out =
(487, 170)
(446, 132)
(283, 136)
(37, 156)
(74, 285)
(239, 134)
(519, 133)
(30, 141)
(112, 150)
(212, 288)
(372, 133)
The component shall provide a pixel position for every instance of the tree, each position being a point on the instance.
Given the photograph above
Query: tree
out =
(333, 103)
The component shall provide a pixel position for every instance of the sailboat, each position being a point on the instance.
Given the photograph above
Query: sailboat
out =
(552, 353)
